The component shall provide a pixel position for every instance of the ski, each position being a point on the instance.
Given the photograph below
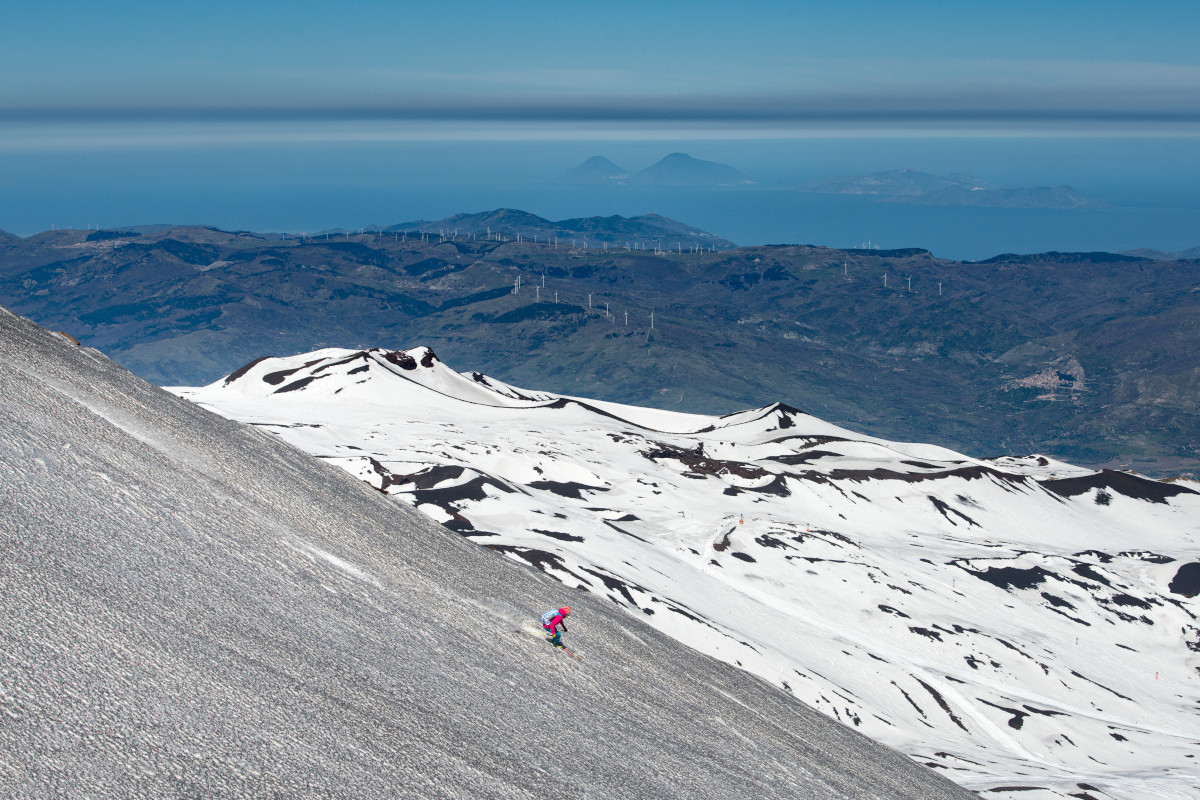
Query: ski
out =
(571, 653)
(561, 647)
(542, 635)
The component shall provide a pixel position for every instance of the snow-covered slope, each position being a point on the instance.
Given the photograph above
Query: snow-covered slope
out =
(189, 608)
(1026, 627)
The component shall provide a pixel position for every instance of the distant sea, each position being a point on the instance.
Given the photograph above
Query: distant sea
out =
(1150, 188)
(778, 216)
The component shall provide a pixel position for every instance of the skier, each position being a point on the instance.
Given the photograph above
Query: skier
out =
(551, 620)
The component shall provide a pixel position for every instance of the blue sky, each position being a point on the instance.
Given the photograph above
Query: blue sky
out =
(300, 116)
(788, 66)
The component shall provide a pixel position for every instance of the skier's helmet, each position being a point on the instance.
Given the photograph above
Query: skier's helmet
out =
(565, 610)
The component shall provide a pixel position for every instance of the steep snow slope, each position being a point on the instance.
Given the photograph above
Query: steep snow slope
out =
(192, 609)
(1025, 626)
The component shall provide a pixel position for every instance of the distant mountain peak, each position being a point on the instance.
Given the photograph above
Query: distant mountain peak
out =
(675, 169)
(681, 169)
(596, 170)
(1163, 255)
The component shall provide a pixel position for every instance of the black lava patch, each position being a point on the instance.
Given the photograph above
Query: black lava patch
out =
(1057, 601)
(614, 584)
(361, 354)
(1018, 717)
(1013, 577)
(767, 540)
(401, 359)
(1120, 482)
(1086, 571)
(299, 384)
(697, 462)
(276, 378)
(945, 507)
(777, 486)
(941, 701)
(471, 490)
(431, 476)
(1102, 686)
(569, 489)
(1127, 600)
(239, 372)
(1187, 580)
(546, 562)
(562, 537)
(794, 459)
(386, 478)
(1153, 558)
(966, 473)
(909, 699)
(460, 524)
(619, 529)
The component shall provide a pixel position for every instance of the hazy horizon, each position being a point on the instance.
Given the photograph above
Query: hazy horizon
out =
(294, 118)
(1151, 201)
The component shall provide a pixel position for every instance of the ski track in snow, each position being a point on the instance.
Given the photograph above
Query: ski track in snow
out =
(1019, 637)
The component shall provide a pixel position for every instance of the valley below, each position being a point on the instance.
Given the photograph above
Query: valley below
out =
(1089, 357)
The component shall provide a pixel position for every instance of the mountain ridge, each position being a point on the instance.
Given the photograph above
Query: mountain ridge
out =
(507, 224)
(595, 170)
(680, 169)
(1161, 255)
(675, 169)
(1088, 351)
(832, 564)
(209, 612)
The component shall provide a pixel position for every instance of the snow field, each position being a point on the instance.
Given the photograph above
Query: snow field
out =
(959, 609)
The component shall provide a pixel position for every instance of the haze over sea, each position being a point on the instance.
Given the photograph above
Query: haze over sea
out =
(1150, 188)
(290, 117)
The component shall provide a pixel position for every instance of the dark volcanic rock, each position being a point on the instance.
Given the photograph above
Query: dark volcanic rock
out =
(1187, 580)
(1121, 482)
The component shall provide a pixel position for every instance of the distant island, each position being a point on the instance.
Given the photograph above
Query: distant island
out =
(596, 170)
(1164, 255)
(912, 187)
(677, 169)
